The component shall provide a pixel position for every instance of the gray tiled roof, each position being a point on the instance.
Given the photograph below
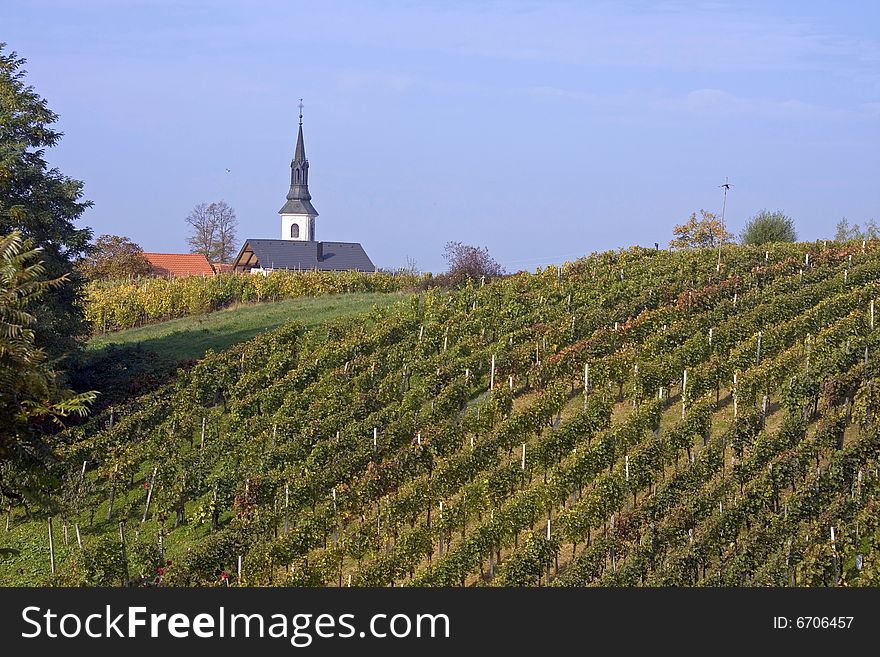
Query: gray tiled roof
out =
(298, 206)
(299, 254)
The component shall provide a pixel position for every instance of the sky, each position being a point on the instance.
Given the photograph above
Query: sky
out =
(542, 130)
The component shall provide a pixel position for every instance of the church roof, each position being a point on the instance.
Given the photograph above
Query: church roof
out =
(300, 254)
(300, 153)
(298, 206)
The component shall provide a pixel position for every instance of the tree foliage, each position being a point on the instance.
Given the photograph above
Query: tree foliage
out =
(114, 257)
(40, 202)
(847, 233)
(213, 229)
(705, 232)
(766, 227)
(467, 261)
(31, 398)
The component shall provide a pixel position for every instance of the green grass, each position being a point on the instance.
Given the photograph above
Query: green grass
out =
(128, 363)
(191, 337)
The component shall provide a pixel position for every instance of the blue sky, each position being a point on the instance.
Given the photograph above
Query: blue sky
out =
(542, 130)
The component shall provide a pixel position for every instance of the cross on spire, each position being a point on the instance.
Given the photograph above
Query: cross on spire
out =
(300, 111)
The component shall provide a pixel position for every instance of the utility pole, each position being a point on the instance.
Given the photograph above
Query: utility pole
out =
(726, 186)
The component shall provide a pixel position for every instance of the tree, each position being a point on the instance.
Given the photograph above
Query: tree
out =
(705, 232)
(467, 261)
(213, 231)
(847, 233)
(766, 227)
(31, 397)
(113, 256)
(42, 203)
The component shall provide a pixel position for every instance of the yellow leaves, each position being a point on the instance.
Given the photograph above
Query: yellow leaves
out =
(115, 305)
(705, 232)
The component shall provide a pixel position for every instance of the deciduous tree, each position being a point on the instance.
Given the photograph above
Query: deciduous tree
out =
(112, 257)
(846, 232)
(705, 232)
(467, 261)
(213, 231)
(766, 227)
(41, 202)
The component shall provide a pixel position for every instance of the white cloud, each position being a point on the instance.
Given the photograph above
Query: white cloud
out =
(355, 80)
(716, 101)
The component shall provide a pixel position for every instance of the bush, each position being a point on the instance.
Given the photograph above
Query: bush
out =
(467, 261)
(766, 227)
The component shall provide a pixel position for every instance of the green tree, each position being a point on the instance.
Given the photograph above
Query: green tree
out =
(766, 227)
(31, 397)
(40, 202)
(705, 232)
(847, 233)
(113, 256)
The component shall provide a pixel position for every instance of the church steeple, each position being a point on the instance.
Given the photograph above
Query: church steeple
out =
(298, 214)
(299, 166)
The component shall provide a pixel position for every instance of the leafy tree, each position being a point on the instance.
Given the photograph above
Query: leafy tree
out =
(705, 232)
(213, 231)
(31, 398)
(847, 233)
(467, 261)
(766, 227)
(112, 257)
(41, 202)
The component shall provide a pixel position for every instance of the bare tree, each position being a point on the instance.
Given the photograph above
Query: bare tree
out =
(226, 232)
(467, 261)
(213, 231)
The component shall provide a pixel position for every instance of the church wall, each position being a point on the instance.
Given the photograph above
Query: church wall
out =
(306, 226)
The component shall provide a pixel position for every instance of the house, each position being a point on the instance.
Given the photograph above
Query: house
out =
(298, 248)
(175, 265)
(221, 268)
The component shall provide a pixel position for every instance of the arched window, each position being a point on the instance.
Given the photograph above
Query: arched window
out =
(294, 231)
(296, 176)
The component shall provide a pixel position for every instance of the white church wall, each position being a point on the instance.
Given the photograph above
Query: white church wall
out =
(306, 225)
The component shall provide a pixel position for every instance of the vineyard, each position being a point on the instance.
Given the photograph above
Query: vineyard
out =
(116, 305)
(633, 418)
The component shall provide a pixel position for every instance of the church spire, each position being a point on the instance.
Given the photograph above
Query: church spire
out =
(298, 214)
(299, 167)
(300, 153)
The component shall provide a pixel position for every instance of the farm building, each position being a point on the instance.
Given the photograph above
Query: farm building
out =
(175, 265)
(298, 248)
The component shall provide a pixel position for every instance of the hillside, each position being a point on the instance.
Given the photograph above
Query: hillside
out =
(123, 363)
(649, 420)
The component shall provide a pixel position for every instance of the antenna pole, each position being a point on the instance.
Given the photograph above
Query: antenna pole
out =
(725, 187)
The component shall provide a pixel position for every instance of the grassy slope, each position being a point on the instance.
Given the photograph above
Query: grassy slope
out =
(191, 337)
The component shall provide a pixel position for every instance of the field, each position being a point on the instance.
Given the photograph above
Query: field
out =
(191, 337)
(634, 418)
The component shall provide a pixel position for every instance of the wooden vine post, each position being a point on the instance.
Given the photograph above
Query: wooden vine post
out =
(124, 552)
(149, 495)
(51, 548)
(684, 382)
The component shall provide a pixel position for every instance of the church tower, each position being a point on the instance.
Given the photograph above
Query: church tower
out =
(298, 214)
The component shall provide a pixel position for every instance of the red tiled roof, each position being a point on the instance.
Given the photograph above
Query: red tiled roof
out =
(179, 264)
(221, 267)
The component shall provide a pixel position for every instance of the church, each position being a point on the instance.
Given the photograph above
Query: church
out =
(298, 249)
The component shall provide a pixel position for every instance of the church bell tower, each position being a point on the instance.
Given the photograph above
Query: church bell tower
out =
(298, 214)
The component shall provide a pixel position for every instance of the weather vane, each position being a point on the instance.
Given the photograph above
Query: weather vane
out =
(300, 111)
